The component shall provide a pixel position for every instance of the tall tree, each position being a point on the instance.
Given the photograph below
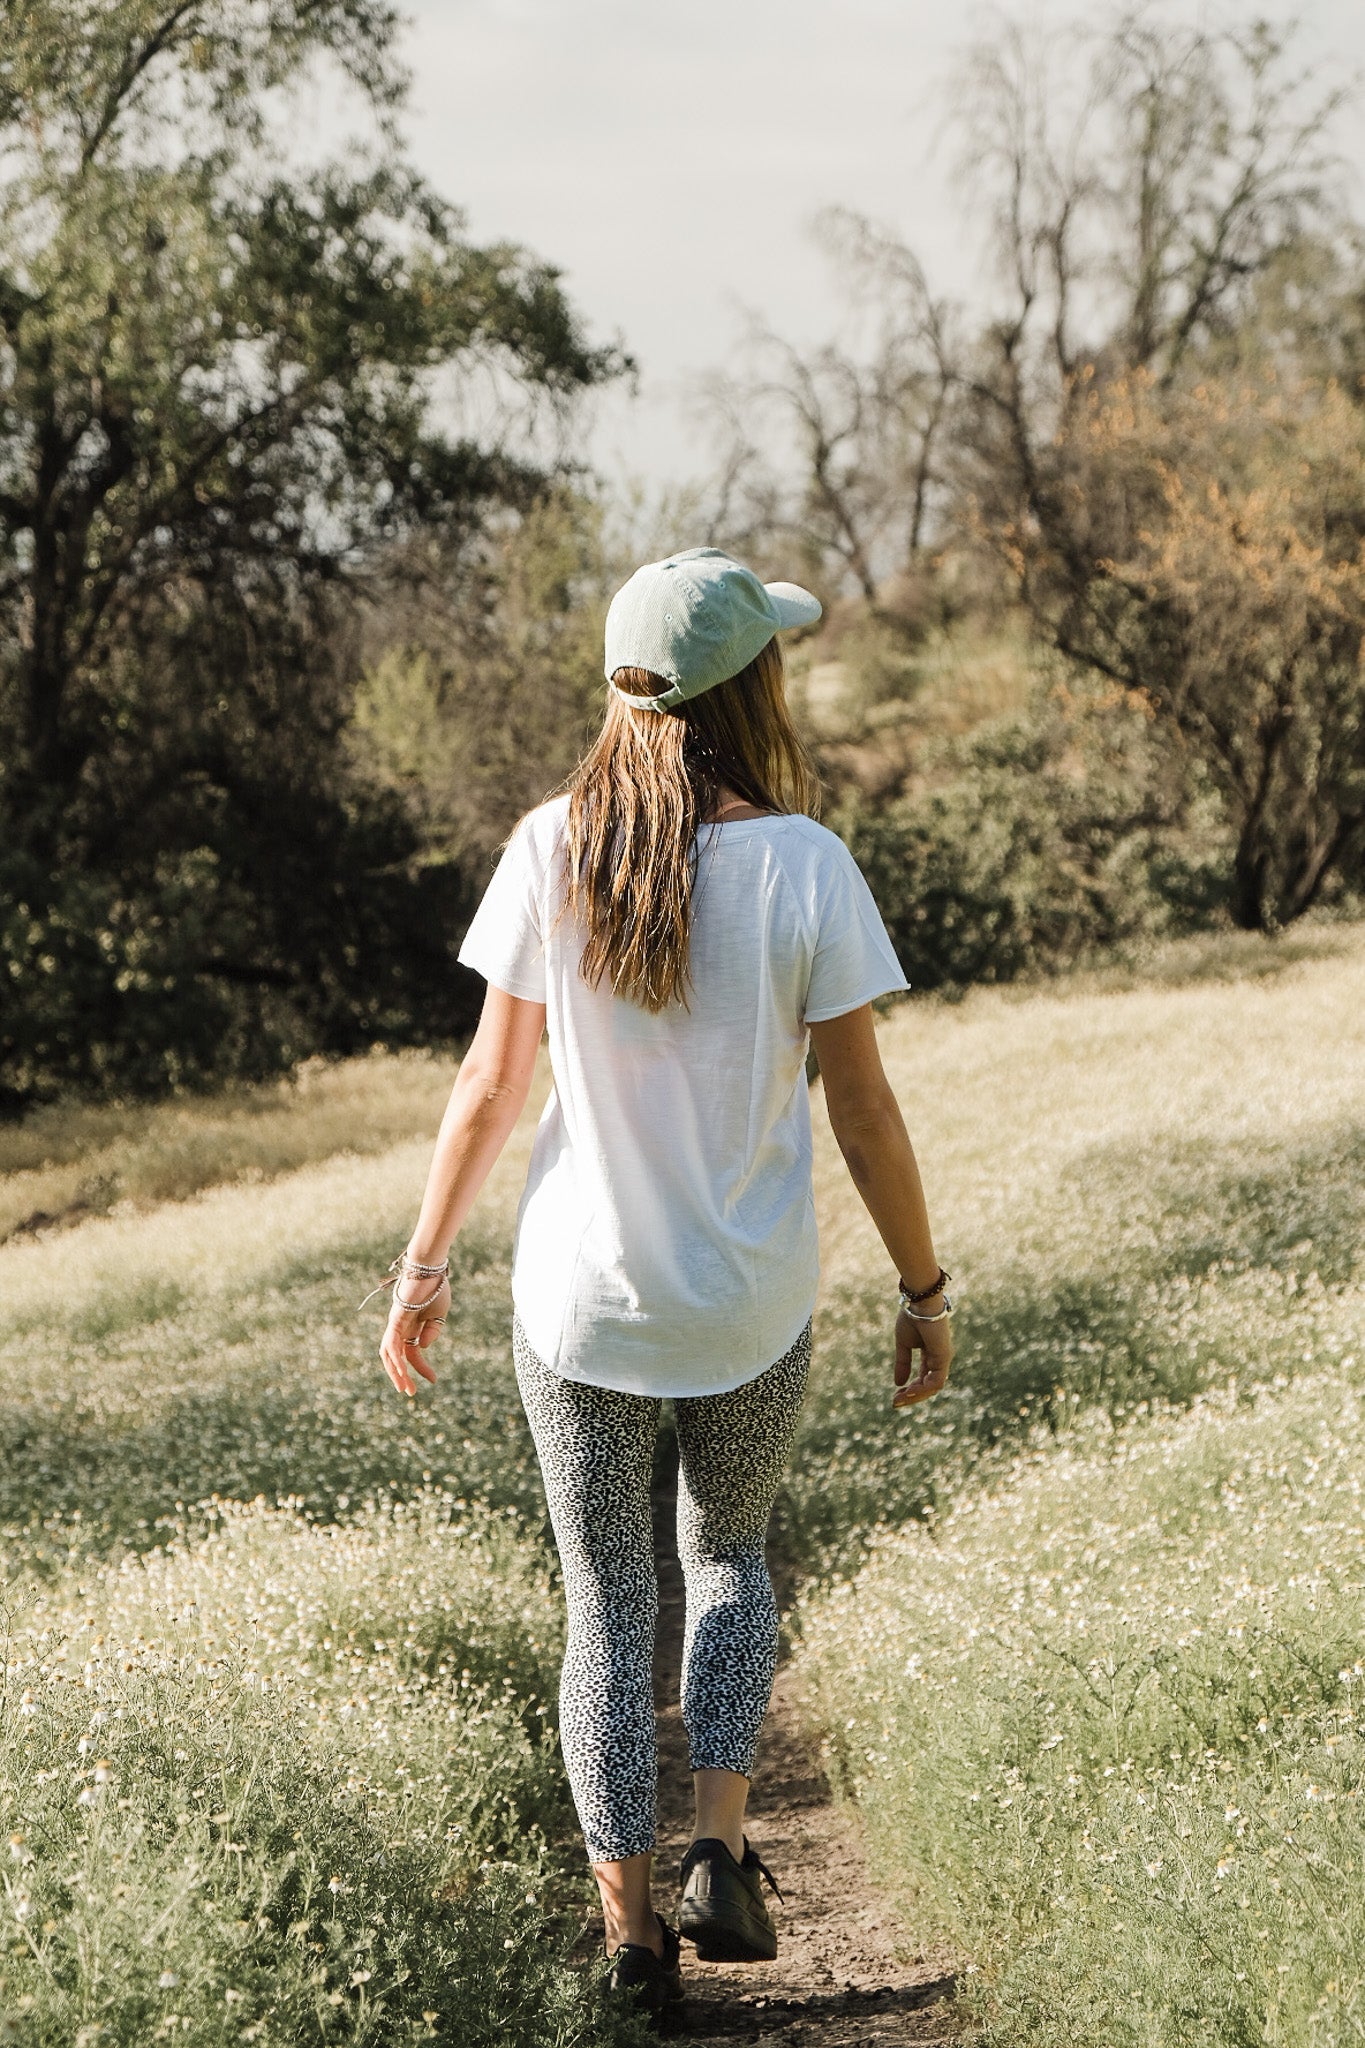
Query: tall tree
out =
(216, 409)
(862, 421)
(1225, 531)
(1168, 242)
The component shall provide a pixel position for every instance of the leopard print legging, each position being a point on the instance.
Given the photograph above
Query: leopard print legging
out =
(596, 1451)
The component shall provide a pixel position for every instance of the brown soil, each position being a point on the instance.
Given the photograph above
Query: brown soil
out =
(849, 1973)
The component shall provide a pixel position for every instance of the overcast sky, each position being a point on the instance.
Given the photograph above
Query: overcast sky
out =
(669, 160)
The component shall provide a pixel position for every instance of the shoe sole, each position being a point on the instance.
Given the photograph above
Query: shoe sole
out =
(718, 1940)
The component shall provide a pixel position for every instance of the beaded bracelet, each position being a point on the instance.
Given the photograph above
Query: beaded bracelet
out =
(403, 1265)
(941, 1279)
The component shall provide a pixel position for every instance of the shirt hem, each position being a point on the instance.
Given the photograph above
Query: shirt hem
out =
(842, 1008)
(653, 1390)
(508, 983)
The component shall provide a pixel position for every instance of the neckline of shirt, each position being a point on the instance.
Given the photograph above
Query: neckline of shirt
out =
(763, 818)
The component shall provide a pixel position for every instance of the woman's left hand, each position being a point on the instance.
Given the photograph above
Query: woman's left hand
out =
(934, 1342)
(410, 1335)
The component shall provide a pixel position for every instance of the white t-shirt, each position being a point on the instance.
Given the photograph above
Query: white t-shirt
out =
(666, 1240)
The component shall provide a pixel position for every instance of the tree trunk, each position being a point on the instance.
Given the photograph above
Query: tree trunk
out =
(1250, 863)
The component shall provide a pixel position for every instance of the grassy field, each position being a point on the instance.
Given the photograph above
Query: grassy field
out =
(277, 1754)
(277, 1748)
(63, 1164)
(1085, 1639)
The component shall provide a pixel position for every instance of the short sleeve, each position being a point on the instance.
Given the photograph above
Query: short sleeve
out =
(505, 942)
(854, 959)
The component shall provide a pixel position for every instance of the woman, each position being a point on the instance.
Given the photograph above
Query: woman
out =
(685, 929)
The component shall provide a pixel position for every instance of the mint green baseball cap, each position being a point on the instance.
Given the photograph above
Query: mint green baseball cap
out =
(696, 619)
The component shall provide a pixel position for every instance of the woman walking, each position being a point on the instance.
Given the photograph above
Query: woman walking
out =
(684, 929)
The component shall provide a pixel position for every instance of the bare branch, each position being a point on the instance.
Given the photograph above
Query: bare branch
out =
(138, 59)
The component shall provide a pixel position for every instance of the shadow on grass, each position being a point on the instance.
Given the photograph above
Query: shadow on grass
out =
(1154, 1308)
(1248, 1205)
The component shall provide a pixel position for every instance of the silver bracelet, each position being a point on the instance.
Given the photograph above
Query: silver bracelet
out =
(394, 1279)
(413, 1307)
(940, 1315)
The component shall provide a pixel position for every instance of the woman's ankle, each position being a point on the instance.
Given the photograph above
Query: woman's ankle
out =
(719, 1799)
(733, 1842)
(641, 1933)
(627, 1904)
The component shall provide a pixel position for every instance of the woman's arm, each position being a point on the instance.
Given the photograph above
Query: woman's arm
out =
(870, 1131)
(489, 1095)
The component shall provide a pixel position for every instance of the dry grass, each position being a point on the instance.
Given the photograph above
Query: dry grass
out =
(1024, 1107)
(1102, 1718)
(1145, 1194)
(68, 1162)
(1103, 1723)
(276, 1752)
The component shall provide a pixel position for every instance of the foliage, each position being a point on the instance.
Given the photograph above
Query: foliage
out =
(216, 369)
(489, 682)
(1165, 232)
(1037, 839)
(1217, 568)
(1155, 196)
(284, 922)
(1170, 520)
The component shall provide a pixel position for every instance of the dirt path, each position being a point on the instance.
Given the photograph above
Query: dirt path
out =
(847, 1975)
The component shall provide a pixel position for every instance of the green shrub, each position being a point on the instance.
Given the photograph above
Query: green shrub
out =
(280, 926)
(1040, 839)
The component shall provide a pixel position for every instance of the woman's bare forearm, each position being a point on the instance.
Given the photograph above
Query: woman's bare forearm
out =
(882, 1164)
(489, 1095)
(480, 1117)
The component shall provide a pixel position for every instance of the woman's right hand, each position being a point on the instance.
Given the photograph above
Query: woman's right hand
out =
(411, 1331)
(917, 1379)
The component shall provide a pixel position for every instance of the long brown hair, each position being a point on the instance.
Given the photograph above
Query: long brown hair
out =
(636, 800)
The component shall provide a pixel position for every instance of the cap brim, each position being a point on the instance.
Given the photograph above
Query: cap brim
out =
(793, 605)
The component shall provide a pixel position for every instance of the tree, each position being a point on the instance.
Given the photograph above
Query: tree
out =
(216, 417)
(1225, 531)
(1176, 520)
(484, 681)
(865, 416)
(1130, 227)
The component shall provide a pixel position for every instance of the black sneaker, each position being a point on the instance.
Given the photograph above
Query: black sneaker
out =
(654, 1982)
(722, 1906)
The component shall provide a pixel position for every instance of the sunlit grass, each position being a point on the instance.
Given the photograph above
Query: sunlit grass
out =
(278, 1782)
(1103, 1724)
(285, 1770)
(72, 1160)
(1093, 1684)
(1145, 1195)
